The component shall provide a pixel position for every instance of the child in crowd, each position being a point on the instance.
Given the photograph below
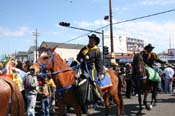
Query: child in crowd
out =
(45, 97)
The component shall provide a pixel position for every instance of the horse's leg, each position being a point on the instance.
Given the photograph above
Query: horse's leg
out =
(61, 109)
(77, 110)
(107, 104)
(119, 104)
(140, 101)
(154, 94)
(139, 92)
(145, 100)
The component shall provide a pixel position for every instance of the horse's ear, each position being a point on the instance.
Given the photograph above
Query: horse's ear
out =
(45, 46)
(53, 49)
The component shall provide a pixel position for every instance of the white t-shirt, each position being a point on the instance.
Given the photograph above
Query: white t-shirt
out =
(169, 72)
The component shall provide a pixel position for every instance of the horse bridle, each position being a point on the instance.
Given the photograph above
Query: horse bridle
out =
(43, 68)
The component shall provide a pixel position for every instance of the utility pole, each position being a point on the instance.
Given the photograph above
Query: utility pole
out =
(111, 29)
(170, 42)
(36, 34)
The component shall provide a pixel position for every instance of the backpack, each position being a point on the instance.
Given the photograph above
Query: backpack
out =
(30, 82)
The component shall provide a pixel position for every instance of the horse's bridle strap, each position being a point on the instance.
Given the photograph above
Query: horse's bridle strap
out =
(67, 69)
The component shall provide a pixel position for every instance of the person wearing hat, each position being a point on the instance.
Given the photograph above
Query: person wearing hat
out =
(149, 59)
(91, 59)
(31, 90)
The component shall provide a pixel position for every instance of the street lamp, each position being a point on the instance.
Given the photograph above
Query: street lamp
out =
(65, 24)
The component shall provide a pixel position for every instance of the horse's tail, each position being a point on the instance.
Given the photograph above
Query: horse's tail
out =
(16, 104)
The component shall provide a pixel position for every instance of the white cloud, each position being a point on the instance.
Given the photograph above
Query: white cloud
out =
(151, 32)
(158, 2)
(91, 25)
(21, 31)
(156, 33)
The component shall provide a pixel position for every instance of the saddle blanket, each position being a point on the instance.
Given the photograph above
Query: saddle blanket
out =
(105, 83)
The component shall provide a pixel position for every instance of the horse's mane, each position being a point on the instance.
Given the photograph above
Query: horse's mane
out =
(60, 61)
(138, 66)
(66, 77)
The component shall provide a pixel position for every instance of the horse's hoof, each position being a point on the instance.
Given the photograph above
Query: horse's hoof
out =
(140, 109)
(148, 108)
(139, 113)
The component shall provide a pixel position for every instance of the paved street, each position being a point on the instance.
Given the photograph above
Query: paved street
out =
(165, 107)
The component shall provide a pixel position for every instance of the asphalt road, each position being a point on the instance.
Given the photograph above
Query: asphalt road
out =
(165, 107)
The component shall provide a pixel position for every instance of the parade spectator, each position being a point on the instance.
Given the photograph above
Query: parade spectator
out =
(45, 97)
(122, 75)
(3, 70)
(53, 90)
(21, 75)
(31, 91)
(159, 71)
(168, 74)
(129, 81)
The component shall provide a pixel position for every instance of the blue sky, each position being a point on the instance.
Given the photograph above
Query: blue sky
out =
(19, 18)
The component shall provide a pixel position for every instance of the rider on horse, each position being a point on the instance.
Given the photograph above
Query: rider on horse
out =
(149, 58)
(90, 58)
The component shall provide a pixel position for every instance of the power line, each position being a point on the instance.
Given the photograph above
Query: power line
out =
(133, 19)
(145, 16)
(142, 17)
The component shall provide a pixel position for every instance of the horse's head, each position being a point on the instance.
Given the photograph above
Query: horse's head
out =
(45, 60)
(36, 68)
(50, 60)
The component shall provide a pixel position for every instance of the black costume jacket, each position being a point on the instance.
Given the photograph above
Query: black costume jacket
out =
(153, 58)
(94, 61)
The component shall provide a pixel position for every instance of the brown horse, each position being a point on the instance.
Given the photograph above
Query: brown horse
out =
(64, 78)
(11, 100)
(143, 84)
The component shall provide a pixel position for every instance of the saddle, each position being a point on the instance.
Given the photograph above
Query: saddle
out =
(86, 89)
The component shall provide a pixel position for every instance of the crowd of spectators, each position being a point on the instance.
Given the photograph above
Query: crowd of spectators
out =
(44, 89)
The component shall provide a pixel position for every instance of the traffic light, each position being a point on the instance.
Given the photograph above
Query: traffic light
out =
(64, 24)
(105, 50)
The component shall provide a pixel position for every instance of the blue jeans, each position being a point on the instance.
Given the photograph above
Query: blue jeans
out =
(45, 106)
(31, 103)
(168, 86)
